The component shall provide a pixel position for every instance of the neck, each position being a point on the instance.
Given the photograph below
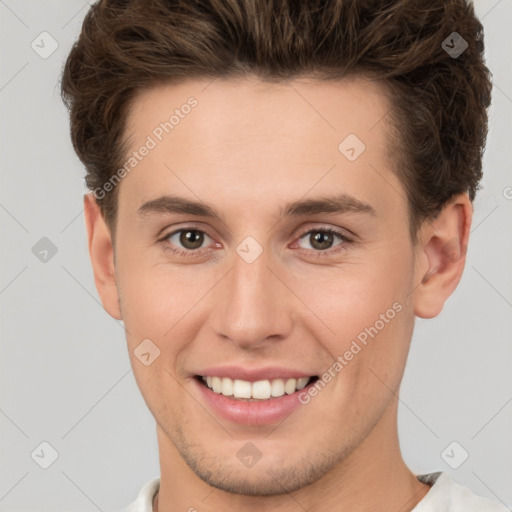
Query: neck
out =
(373, 477)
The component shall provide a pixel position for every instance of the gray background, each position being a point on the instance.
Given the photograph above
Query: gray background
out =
(65, 373)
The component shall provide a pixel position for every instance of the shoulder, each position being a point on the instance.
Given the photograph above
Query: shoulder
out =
(446, 495)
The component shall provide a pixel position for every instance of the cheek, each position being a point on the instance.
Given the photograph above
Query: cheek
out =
(155, 298)
(365, 311)
(155, 301)
(353, 297)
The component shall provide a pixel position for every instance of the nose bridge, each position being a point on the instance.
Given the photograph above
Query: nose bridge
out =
(251, 306)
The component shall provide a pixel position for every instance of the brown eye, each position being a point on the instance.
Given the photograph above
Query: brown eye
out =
(191, 239)
(187, 238)
(322, 239)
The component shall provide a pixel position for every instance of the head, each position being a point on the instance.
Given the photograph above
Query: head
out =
(281, 120)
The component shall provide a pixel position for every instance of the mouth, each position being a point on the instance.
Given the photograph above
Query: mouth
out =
(258, 391)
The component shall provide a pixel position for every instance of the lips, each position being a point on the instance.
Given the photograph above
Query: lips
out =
(250, 411)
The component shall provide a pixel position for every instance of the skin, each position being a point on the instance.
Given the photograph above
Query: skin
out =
(247, 149)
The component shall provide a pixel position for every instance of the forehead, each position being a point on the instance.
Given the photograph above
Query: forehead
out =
(229, 110)
(274, 140)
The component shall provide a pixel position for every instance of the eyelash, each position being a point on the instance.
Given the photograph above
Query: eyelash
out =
(345, 241)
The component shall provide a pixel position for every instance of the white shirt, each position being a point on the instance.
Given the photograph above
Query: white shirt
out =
(445, 495)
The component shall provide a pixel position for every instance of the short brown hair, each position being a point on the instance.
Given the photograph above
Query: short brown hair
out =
(439, 101)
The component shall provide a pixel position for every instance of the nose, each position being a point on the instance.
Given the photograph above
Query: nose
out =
(253, 307)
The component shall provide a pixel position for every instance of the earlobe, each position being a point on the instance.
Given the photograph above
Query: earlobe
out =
(101, 252)
(442, 249)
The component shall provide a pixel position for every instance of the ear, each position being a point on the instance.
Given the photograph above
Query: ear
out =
(101, 252)
(441, 256)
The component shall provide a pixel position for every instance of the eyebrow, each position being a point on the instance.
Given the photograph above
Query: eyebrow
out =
(340, 203)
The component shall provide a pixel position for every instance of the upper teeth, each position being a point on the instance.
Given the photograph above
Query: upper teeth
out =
(261, 389)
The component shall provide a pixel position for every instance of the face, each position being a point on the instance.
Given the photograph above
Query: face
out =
(300, 259)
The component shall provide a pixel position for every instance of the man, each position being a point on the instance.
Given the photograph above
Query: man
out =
(277, 190)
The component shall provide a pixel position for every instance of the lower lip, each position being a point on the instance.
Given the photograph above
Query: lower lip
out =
(263, 412)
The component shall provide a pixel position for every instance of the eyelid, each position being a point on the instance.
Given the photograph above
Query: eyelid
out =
(342, 232)
(345, 234)
(189, 225)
